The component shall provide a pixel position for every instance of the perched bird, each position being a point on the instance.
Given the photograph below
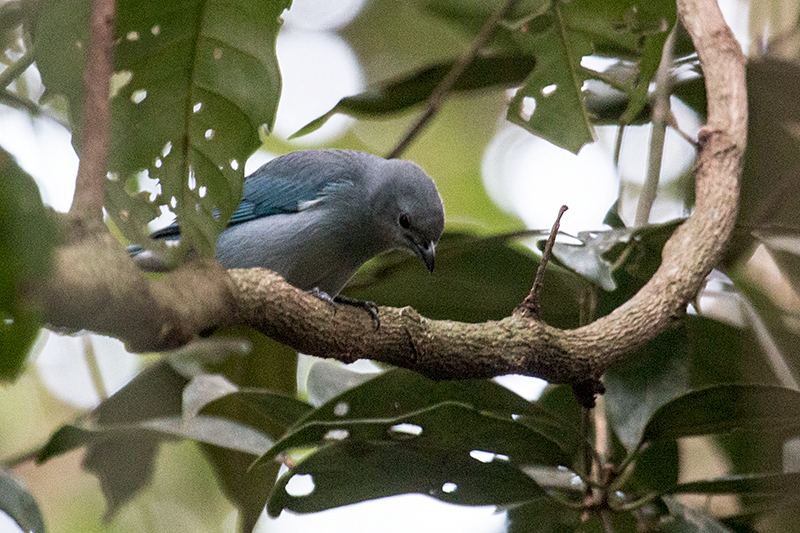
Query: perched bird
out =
(316, 216)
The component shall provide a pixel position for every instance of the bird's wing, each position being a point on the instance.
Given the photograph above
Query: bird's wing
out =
(288, 184)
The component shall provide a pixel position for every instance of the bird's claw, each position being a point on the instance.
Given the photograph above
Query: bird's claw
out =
(369, 307)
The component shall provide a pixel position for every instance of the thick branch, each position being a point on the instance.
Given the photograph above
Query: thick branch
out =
(96, 287)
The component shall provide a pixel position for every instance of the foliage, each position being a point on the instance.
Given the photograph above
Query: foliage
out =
(195, 82)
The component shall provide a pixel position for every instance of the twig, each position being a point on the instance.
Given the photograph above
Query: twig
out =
(436, 99)
(17, 460)
(530, 305)
(90, 355)
(660, 113)
(87, 205)
(15, 70)
(672, 122)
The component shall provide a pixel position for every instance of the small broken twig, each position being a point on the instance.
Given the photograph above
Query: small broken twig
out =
(530, 305)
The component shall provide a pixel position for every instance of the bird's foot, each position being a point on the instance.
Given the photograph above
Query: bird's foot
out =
(369, 307)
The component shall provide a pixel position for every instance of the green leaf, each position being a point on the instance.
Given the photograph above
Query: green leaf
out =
(683, 519)
(123, 459)
(543, 515)
(476, 279)
(721, 353)
(27, 240)
(552, 103)
(446, 426)
(398, 94)
(655, 469)
(724, 408)
(194, 83)
(18, 503)
(353, 471)
(230, 468)
(400, 392)
(624, 257)
(269, 412)
(772, 484)
(456, 417)
(784, 247)
(643, 382)
(767, 186)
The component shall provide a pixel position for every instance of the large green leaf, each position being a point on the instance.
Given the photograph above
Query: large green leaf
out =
(195, 81)
(123, 461)
(543, 515)
(400, 392)
(269, 412)
(27, 239)
(773, 484)
(620, 261)
(646, 380)
(446, 426)
(724, 408)
(18, 503)
(353, 471)
(476, 279)
(446, 418)
(721, 353)
(768, 196)
(399, 94)
(552, 103)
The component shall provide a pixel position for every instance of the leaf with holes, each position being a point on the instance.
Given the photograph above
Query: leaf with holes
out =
(552, 103)
(354, 471)
(400, 392)
(194, 82)
(446, 426)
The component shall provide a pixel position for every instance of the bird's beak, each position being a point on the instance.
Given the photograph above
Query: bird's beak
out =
(427, 252)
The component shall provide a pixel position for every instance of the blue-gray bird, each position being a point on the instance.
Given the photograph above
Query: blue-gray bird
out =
(316, 216)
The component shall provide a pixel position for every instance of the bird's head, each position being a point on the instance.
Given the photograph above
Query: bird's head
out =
(409, 210)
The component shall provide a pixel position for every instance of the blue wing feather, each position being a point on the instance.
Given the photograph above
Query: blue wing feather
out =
(289, 184)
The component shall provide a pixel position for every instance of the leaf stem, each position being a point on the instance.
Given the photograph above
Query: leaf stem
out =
(660, 112)
(436, 99)
(15, 70)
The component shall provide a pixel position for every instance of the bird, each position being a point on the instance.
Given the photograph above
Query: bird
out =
(315, 216)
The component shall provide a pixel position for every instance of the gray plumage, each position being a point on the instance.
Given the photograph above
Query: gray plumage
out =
(316, 216)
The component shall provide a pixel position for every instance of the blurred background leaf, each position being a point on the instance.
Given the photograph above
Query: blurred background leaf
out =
(23, 220)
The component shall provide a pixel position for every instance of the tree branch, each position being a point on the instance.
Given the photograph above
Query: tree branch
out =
(95, 285)
(87, 204)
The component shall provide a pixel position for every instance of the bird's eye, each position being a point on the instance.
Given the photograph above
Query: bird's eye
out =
(405, 223)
